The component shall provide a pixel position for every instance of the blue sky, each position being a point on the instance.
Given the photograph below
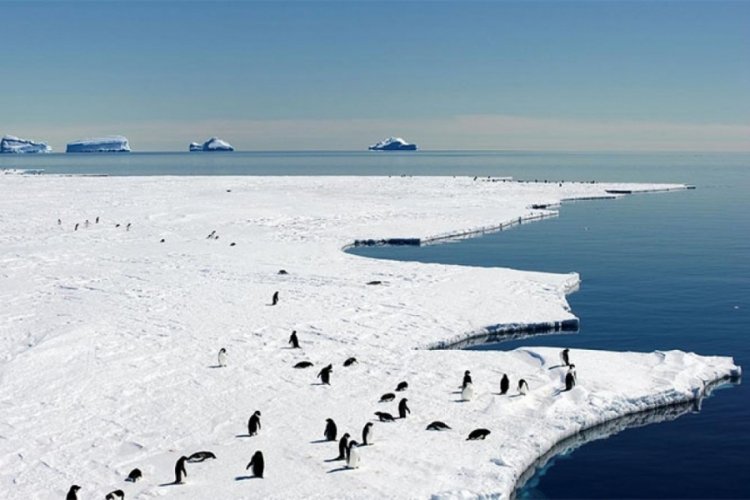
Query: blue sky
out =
(334, 75)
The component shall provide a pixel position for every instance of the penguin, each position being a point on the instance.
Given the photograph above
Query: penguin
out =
(523, 387)
(437, 425)
(293, 340)
(350, 361)
(73, 492)
(325, 374)
(367, 434)
(134, 475)
(403, 409)
(352, 460)
(222, 357)
(275, 298)
(211, 235)
(564, 357)
(467, 379)
(570, 381)
(76, 228)
(117, 225)
(384, 417)
(572, 369)
(253, 425)
(343, 447)
(330, 432)
(114, 495)
(402, 386)
(504, 384)
(303, 364)
(282, 272)
(232, 244)
(59, 222)
(97, 219)
(389, 396)
(200, 456)
(179, 470)
(86, 223)
(478, 434)
(257, 463)
(127, 228)
(162, 240)
(467, 394)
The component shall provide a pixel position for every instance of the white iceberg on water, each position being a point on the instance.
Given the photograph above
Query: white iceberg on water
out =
(213, 144)
(393, 144)
(112, 144)
(13, 144)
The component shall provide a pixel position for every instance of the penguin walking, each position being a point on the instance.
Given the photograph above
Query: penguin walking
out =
(367, 434)
(73, 492)
(257, 463)
(504, 384)
(293, 340)
(523, 387)
(330, 432)
(275, 298)
(384, 417)
(352, 460)
(467, 394)
(402, 386)
(343, 447)
(564, 357)
(114, 495)
(134, 475)
(253, 425)
(179, 470)
(222, 357)
(350, 361)
(325, 375)
(76, 228)
(467, 379)
(403, 409)
(437, 425)
(478, 434)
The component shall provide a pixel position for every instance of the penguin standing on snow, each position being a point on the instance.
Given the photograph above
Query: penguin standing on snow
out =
(134, 475)
(467, 394)
(325, 375)
(504, 384)
(570, 379)
(402, 386)
(343, 447)
(437, 425)
(367, 434)
(467, 379)
(257, 463)
(523, 387)
(352, 460)
(330, 432)
(403, 409)
(564, 357)
(572, 369)
(114, 495)
(73, 492)
(293, 340)
(222, 357)
(275, 298)
(253, 425)
(179, 470)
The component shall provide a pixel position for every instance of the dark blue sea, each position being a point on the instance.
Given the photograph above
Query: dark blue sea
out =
(658, 271)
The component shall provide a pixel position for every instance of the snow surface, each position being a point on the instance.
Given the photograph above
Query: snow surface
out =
(13, 144)
(213, 144)
(112, 144)
(392, 143)
(109, 338)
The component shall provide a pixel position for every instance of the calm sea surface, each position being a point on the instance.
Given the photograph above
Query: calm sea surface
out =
(666, 271)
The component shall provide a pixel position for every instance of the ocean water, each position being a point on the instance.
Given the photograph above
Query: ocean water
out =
(659, 271)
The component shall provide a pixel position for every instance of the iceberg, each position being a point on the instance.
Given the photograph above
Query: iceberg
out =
(213, 144)
(393, 144)
(13, 144)
(112, 144)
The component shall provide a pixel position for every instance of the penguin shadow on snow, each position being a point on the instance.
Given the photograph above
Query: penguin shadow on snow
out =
(245, 478)
(318, 441)
(556, 366)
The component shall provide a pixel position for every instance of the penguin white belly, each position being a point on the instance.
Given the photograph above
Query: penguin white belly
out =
(370, 435)
(222, 359)
(353, 460)
(468, 392)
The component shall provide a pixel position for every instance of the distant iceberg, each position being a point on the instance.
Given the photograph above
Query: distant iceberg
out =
(213, 144)
(12, 144)
(393, 144)
(113, 144)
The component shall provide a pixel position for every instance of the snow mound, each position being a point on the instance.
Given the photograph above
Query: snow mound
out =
(213, 144)
(13, 144)
(111, 144)
(393, 144)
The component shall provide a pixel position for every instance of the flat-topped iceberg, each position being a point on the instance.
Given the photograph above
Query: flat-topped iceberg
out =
(13, 144)
(213, 144)
(393, 144)
(111, 144)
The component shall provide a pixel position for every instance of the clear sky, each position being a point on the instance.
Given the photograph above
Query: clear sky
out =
(329, 75)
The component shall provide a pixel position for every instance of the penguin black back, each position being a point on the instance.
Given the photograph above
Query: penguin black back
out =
(303, 364)
(293, 340)
(570, 381)
(403, 409)
(402, 386)
(384, 417)
(478, 434)
(565, 357)
(437, 425)
(257, 463)
(134, 475)
(366, 435)
(179, 470)
(275, 298)
(330, 432)
(504, 384)
(200, 456)
(343, 447)
(73, 492)
(467, 379)
(325, 374)
(114, 495)
(389, 396)
(253, 425)
(350, 361)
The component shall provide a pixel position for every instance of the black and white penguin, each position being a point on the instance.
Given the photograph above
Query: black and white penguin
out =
(59, 222)
(350, 361)
(73, 492)
(257, 463)
(388, 396)
(179, 470)
(467, 379)
(437, 425)
(467, 393)
(201, 456)
(352, 459)
(303, 364)
(403, 409)
(402, 386)
(570, 381)
(572, 369)
(275, 298)
(282, 271)
(523, 387)
(114, 495)
(293, 340)
(330, 431)
(343, 447)
(478, 434)
(253, 425)
(222, 357)
(134, 475)
(564, 357)
(384, 417)
(504, 384)
(325, 374)
(76, 228)
(367, 434)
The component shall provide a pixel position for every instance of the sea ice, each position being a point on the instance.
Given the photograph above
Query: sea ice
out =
(393, 144)
(112, 144)
(213, 144)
